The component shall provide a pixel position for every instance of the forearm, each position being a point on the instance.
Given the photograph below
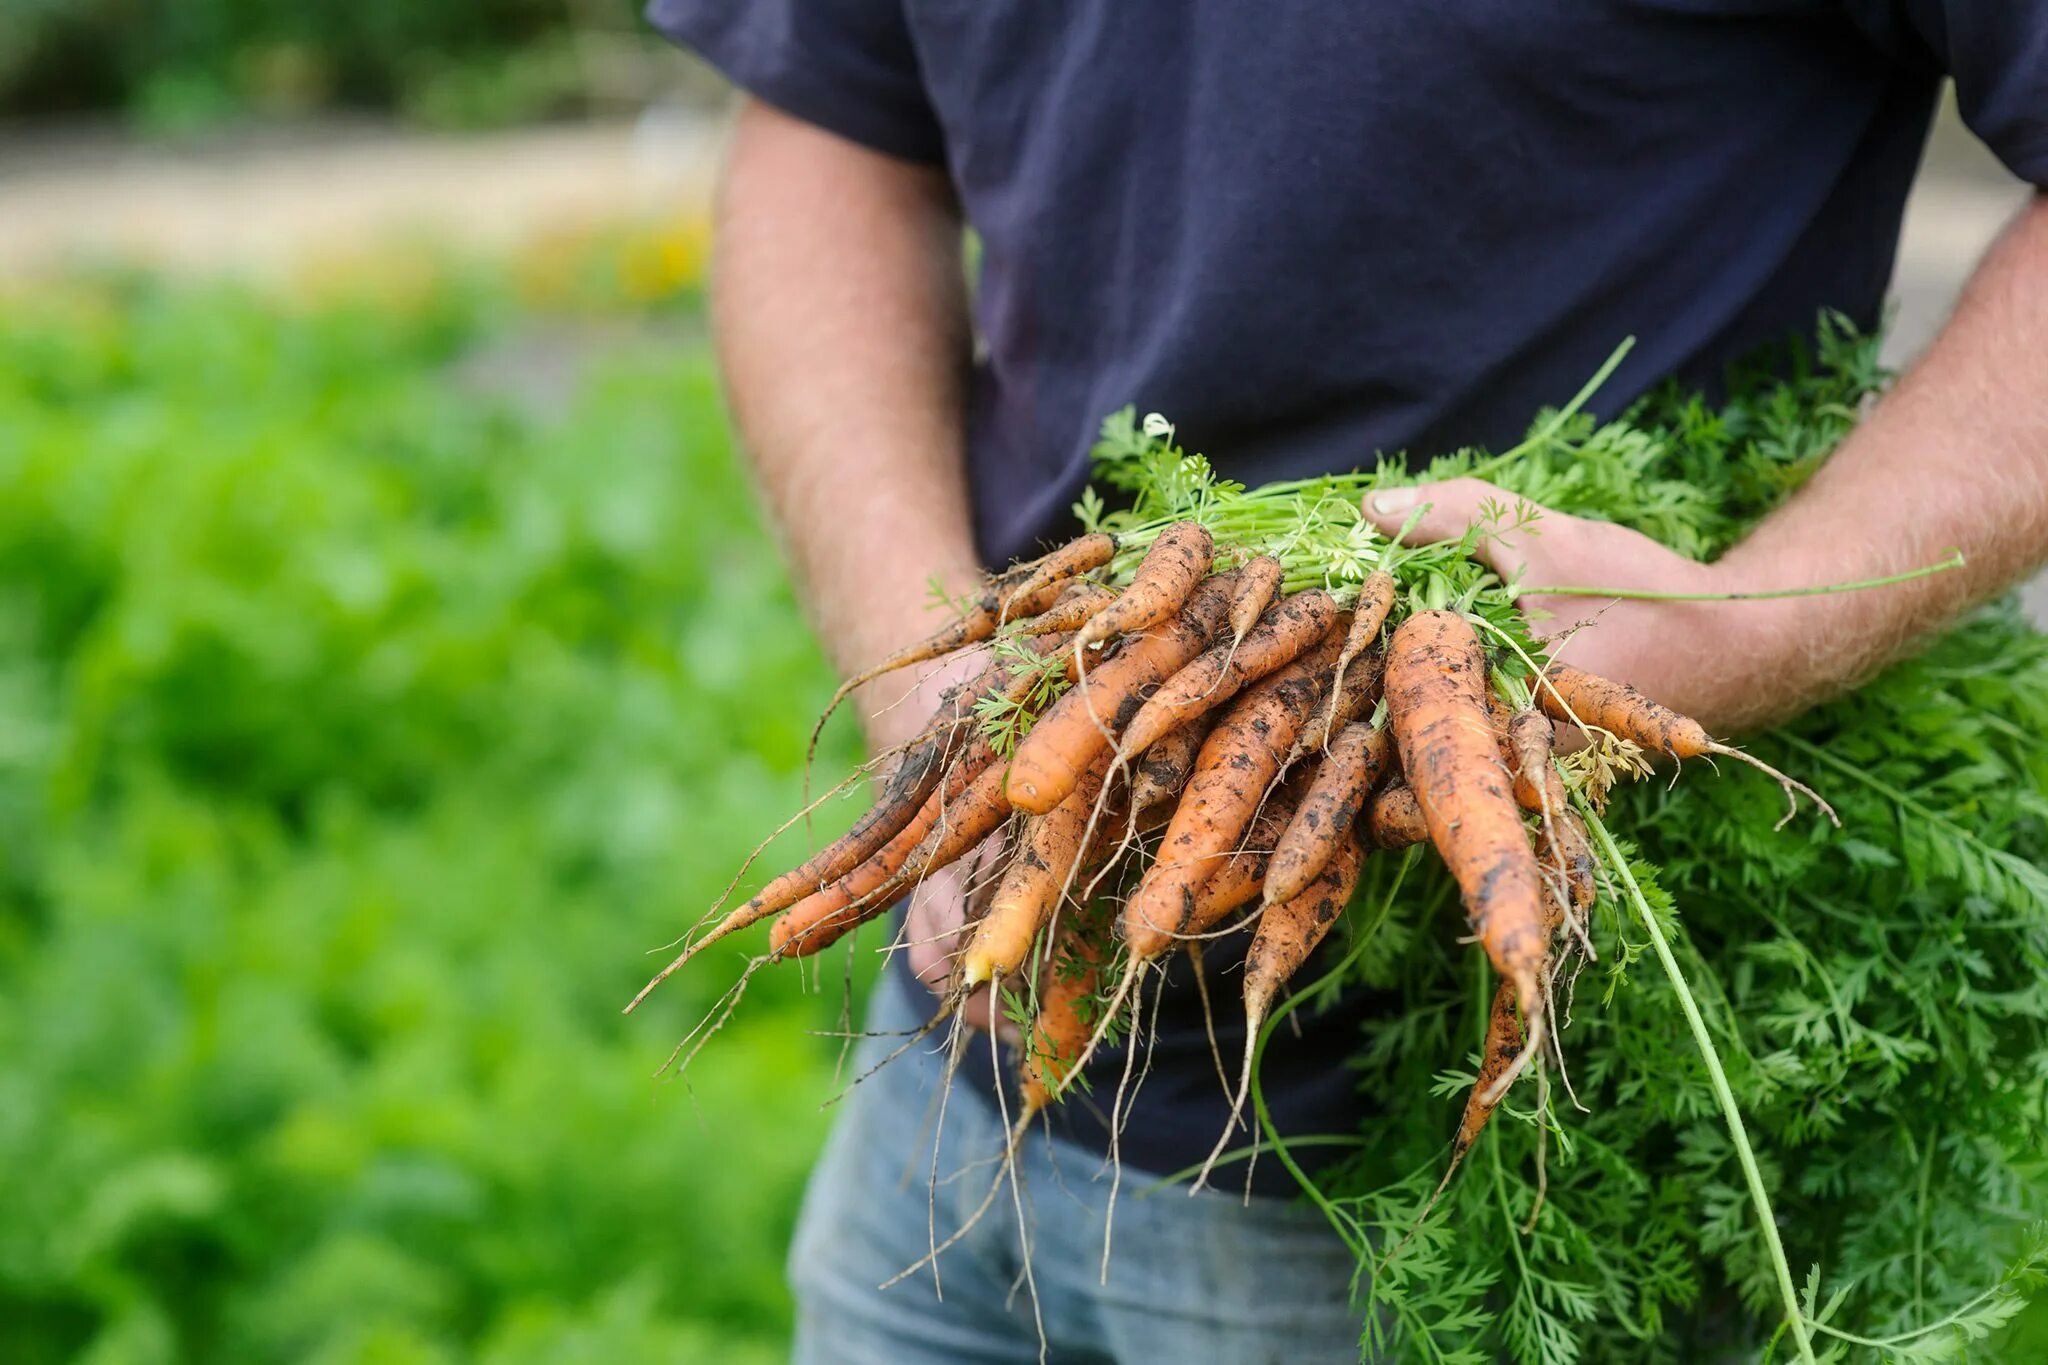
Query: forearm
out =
(839, 304)
(1954, 458)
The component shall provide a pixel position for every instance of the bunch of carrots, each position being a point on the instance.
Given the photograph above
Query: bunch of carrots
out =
(1173, 725)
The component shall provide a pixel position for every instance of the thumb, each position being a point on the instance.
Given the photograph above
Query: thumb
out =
(1446, 509)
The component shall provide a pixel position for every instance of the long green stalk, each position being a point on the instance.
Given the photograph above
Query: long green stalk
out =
(1738, 1133)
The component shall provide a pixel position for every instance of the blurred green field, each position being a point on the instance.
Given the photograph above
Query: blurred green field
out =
(360, 728)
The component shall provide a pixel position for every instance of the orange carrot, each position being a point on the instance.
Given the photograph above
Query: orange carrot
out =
(1503, 1045)
(1537, 785)
(1044, 859)
(1237, 763)
(962, 800)
(1221, 671)
(1395, 819)
(1163, 769)
(1576, 696)
(1436, 700)
(1258, 583)
(1368, 615)
(1565, 848)
(1077, 556)
(1288, 932)
(1065, 741)
(1164, 578)
(1361, 691)
(995, 605)
(1077, 604)
(1323, 822)
(1238, 882)
(1060, 1029)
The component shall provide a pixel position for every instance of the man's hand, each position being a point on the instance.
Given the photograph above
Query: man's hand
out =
(1954, 458)
(1656, 646)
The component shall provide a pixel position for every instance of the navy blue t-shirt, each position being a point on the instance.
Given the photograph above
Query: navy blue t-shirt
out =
(1312, 232)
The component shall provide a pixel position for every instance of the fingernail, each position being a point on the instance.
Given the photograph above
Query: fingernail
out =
(1394, 501)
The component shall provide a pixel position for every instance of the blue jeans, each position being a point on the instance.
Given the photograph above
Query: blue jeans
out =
(1198, 1281)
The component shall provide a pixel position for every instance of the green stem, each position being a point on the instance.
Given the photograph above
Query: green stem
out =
(1738, 1132)
(1954, 561)
(2022, 872)
(1918, 1332)
(1557, 419)
(1237, 1154)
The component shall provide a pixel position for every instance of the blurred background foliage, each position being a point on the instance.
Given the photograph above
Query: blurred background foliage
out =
(359, 726)
(176, 67)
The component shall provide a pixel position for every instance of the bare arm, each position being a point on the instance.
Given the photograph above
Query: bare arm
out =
(1955, 457)
(839, 303)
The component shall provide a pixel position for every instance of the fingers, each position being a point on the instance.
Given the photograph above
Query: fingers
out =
(1444, 511)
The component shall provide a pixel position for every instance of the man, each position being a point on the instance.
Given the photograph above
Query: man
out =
(1308, 233)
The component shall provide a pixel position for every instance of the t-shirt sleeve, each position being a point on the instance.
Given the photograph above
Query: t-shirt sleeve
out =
(848, 66)
(1997, 53)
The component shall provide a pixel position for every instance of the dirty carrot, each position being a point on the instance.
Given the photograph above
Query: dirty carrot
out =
(1258, 583)
(1436, 698)
(1042, 863)
(1580, 698)
(1220, 672)
(1081, 725)
(1169, 572)
(1288, 932)
(1329, 809)
(1395, 818)
(1237, 763)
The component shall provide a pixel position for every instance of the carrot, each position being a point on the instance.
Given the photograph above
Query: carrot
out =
(1238, 882)
(1059, 1031)
(1065, 741)
(1077, 604)
(1078, 556)
(1537, 785)
(1226, 667)
(1237, 763)
(1328, 811)
(1288, 932)
(1580, 698)
(1395, 819)
(1361, 690)
(823, 917)
(1044, 859)
(1565, 847)
(1436, 700)
(1163, 769)
(1258, 583)
(1368, 615)
(1169, 572)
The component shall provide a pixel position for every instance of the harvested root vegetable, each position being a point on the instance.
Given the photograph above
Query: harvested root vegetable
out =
(1258, 583)
(1288, 932)
(1163, 769)
(1436, 704)
(1237, 763)
(1395, 818)
(1221, 671)
(1083, 724)
(1059, 1030)
(970, 815)
(1169, 572)
(1044, 861)
(1323, 822)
